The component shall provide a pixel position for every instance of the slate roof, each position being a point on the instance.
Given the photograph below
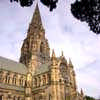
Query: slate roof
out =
(12, 87)
(10, 65)
(43, 68)
(13, 66)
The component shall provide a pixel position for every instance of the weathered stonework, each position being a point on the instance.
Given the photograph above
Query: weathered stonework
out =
(38, 76)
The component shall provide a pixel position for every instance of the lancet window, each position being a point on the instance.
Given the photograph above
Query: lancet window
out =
(7, 78)
(44, 79)
(35, 82)
(14, 79)
(41, 47)
(21, 81)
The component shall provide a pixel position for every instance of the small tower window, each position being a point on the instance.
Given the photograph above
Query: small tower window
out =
(35, 82)
(39, 81)
(41, 47)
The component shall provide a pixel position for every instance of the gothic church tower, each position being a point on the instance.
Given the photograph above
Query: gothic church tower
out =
(35, 49)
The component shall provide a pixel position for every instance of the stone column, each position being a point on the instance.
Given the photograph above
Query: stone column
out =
(18, 79)
(4, 77)
(4, 96)
(11, 78)
(46, 78)
(37, 82)
(28, 87)
(41, 80)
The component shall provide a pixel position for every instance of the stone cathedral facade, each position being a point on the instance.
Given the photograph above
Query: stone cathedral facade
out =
(37, 76)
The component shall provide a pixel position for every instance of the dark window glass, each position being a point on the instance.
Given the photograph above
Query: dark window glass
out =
(1, 97)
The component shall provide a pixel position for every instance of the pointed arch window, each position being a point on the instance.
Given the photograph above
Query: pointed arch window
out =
(21, 81)
(39, 81)
(14, 79)
(7, 78)
(44, 79)
(35, 82)
(41, 47)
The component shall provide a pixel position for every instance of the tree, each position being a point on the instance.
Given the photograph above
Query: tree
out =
(26, 3)
(88, 11)
(83, 10)
(89, 98)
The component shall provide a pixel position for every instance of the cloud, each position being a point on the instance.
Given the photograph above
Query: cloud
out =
(90, 74)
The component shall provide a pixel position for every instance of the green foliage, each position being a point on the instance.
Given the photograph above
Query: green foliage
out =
(89, 98)
(88, 11)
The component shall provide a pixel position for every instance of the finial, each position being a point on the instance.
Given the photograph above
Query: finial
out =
(82, 91)
(53, 58)
(53, 54)
(37, 7)
(62, 53)
(70, 62)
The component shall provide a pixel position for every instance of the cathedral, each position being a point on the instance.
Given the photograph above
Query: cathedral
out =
(37, 75)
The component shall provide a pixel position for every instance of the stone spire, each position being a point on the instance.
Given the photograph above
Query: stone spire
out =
(36, 23)
(35, 45)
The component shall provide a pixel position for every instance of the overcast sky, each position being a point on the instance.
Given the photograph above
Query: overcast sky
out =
(63, 31)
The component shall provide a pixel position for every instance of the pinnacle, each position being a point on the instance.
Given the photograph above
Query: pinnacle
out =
(62, 54)
(53, 54)
(81, 91)
(70, 62)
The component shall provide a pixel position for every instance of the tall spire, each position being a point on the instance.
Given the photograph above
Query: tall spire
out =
(36, 22)
(35, 45)
(36, 16)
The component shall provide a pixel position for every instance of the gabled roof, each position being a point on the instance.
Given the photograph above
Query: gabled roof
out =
(43, 68)
(13, 66)
(11, 87)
